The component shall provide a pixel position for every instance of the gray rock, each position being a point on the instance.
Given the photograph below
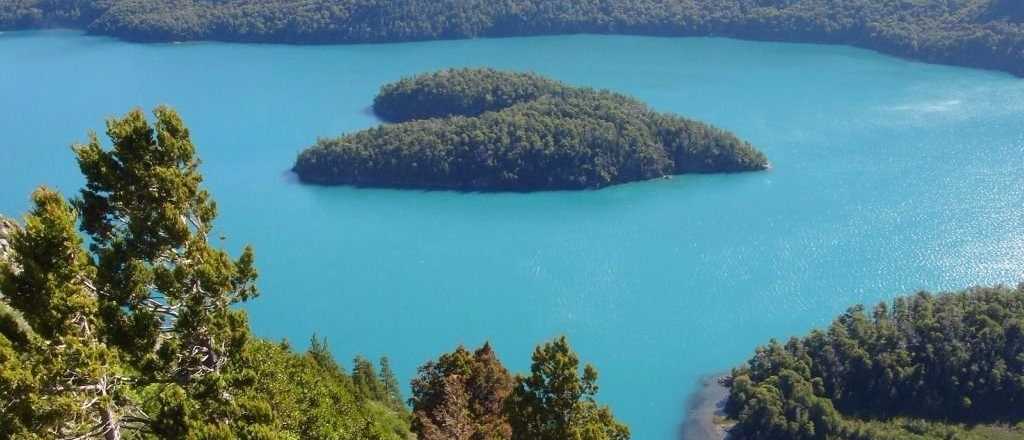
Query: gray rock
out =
(7, 227)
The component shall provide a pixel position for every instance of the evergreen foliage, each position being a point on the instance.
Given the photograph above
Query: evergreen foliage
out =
(460, 92)
(556, 402)
(979, 33)
(513, 131)
(137, 337)
(919, 368)
(470, 396)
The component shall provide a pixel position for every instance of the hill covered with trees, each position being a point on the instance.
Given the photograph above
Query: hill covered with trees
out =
(492, 130)
(978, 33)
(137, 335)
(946, 366)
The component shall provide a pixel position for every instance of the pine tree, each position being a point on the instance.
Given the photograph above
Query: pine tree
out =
(167, 292)
(364, 378)
(62, 380)
(555, 403)
(320, 351)
(391, 390)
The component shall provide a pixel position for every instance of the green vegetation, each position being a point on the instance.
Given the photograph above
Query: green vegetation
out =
(138, 337)
(947, 366)
(461, 92)
(495, 130)
(978, 33)
(471, 396)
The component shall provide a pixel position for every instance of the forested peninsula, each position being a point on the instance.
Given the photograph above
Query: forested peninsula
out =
(137, 334)
(489, 130)
(925, 367)
(977, 33)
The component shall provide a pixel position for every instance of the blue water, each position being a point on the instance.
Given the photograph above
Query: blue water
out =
(889, 176)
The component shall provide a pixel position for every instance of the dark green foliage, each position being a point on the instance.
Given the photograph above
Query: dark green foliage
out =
(556, 402)
(137, 338)
(464, 92)
(569, 138)
(21, 14)
(980, 33)
(948, 358)
(392, 391)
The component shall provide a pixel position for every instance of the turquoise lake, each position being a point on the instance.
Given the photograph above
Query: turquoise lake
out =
(889, 176)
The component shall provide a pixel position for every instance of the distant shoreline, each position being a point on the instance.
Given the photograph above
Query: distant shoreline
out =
(705, 410)
(986, 34)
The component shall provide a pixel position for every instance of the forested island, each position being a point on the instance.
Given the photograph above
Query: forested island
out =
(978, 33)
(136, 336)
(945, 366)
(488, 130)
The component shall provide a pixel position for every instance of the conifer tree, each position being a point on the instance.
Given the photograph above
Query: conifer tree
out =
(364, 378)
(556, 403)
(392, 391)
(167, 292)
(62, 380)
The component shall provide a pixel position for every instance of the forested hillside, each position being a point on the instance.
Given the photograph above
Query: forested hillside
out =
(492, 130)
(946, 366)
(979, 33)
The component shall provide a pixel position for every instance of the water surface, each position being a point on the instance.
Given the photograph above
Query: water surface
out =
(889, 176)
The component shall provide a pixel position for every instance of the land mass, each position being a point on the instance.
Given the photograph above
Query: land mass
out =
(488, 130)
(976, 33)
(946, 366)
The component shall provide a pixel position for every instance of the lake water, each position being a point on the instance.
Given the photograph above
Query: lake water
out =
(889, 176)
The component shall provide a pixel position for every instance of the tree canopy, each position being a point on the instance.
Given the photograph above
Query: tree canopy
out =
(470, 396)
(491, 130)
(979, 33)
(924, 367)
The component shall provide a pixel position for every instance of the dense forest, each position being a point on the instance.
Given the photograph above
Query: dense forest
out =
(946, 366)
(978, 33)
(492, 130)
(118, 321)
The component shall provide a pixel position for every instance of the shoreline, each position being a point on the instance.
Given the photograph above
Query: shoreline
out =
(704, 411)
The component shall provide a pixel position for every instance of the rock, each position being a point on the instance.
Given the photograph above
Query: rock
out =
(705, 415)
(7, 227)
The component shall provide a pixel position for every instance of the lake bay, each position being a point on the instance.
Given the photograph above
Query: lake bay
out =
(888, 176)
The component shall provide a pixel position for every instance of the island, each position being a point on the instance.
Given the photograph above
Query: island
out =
(928, 366)
(976, 33)
(489, 130)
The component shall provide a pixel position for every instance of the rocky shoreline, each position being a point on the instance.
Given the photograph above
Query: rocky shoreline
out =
(705, 416)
